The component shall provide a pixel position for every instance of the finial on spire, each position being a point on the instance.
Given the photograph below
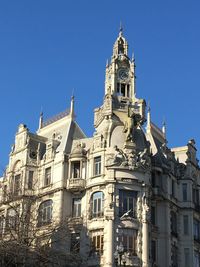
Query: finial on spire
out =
(107, 63)
(41, 119)
(148, 117)
(133, 57)
(120, 29)
(72, 105)
(164, 127)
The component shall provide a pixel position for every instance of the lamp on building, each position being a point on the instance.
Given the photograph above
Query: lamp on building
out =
(119, 256)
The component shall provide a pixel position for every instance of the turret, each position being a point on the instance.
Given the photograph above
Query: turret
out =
(120, 72)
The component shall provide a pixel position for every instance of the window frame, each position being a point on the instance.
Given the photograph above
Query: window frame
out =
(127, 202)
(97, 204)
(76, 207)
(17, 185)
(47, 176)
(185, 192)
(30, 179)
(45, 212)
(185, 224)
(97, 241)
(128, 238)
(12, 220)
(97, 165)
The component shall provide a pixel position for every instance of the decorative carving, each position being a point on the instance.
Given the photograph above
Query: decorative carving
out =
(130, 159)
(118, 159)
(144, 160)
(146, 210)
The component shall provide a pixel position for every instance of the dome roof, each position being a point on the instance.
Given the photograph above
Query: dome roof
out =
(78, 151)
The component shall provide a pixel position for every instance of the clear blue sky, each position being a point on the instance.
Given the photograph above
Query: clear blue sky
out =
(47, 48)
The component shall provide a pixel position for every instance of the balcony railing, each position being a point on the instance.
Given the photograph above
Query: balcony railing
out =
(76, 184)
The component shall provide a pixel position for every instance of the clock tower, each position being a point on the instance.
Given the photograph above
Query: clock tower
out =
(122, 112)
(120, 72)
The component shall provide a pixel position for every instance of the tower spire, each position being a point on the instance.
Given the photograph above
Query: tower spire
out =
(120, 29)
(72, 106)
(41, 119)
(164, 127)
(148, 118)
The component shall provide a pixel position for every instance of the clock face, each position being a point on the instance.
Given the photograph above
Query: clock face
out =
(123, 74)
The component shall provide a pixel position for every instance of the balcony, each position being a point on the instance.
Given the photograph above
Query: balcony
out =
(76, 184)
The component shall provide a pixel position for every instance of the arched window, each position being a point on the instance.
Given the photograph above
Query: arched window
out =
(97, 204)
(45, 212)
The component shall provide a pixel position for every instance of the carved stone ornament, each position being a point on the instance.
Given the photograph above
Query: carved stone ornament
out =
(129, 159)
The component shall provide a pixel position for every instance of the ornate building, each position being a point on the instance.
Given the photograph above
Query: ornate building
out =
(126, 198)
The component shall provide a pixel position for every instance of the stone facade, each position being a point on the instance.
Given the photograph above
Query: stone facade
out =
(123, 194)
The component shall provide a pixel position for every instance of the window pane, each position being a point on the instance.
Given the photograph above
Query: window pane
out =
(97, 204)
(97, 165)
(30, 180)
(47, 180)
(184, 187)
(45, 212)
(185, 224)
(127, 200)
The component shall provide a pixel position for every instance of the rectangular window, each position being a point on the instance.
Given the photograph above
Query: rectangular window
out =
(76, 208)
(97, 204)
(118, 88)
(76, 169)
(12, 218)
(75, 242)
(185, 225)
(184, 189)
(123, 86)
(128, 238)
(196, 229)
(173, 188)
(153, 251)
(16, 189)
(47, 178)
(195, 195)
(97, 241)
(128, 90)
(173, 223)
(97, 165)
(153, 215)
(187, 257)
(127, 203)
(30, 180)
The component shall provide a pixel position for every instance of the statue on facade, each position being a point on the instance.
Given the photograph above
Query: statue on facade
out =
(129, 125)
(144, 160)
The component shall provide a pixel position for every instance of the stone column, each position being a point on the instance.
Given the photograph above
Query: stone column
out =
(145, 234)
(108, 250)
